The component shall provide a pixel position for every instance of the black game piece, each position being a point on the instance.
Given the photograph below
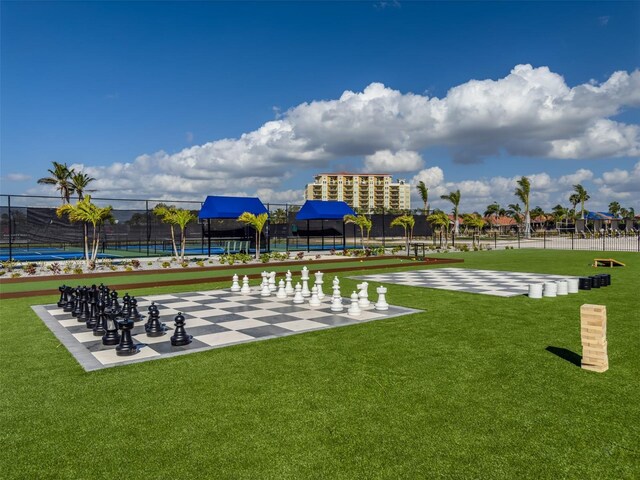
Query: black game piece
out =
(84, 305)
(133, 307)
(595, 281)
(114, 301)
(153, 327)
(76, 302)
(180, 336)
(100, 327)
(92, 321)
(70, 300)
(126, 346)
(584, 283)
(63, 296)
(126, 306)
(112, 336)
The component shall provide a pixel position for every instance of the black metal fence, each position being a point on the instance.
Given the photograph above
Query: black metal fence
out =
(30, 224)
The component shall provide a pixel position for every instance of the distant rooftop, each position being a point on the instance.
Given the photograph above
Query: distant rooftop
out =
(357, 173)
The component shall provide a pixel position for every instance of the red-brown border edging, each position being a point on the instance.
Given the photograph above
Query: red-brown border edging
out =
(190, 281)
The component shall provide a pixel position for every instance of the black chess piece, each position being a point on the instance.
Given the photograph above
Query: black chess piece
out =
(180, 336)
(76, 302)
(153, 327)
(151, 307)
(92, 321)
(100, 327)
(126, 346)
(70, 300)
(111, 336)
(63, 296)
(126, 306)
(114, 301)
(84, 305)
(134, 314)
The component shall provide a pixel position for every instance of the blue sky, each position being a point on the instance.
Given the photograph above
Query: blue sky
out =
(181, 100)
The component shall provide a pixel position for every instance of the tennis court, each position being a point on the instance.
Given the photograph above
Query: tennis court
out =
(41, 254)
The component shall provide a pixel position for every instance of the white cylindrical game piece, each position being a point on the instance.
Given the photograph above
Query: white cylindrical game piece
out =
(235, 286)
(535, 290)
(572, 285)
(354, 308)
(315, 301)
(282, 293)
(246, 289)
(298, 298)
(381, 304)
(550, 289)
(563, 288)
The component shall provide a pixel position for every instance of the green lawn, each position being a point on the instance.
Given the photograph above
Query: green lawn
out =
(466, 389)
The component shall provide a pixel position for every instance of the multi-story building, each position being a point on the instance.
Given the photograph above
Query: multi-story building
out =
(365, 192)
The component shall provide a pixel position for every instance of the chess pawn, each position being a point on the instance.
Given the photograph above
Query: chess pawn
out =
(154, 328)
(272, 282)
(246, 289)
(318, 283)
(282, 293)
(298, 298)
(354, 308)
(101, 321)
(180, 336)
(126, 346)
(265, 279)
(266, 291)
(111, 336)
(305, 286)
(336, 303)
(114, 301)
(126, 306)
(363, 295)
(235, 286)
(288, 285)
(315, 301)
(133, 307)
(381, 304)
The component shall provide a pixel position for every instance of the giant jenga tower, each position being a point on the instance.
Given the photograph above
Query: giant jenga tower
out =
(593, 331)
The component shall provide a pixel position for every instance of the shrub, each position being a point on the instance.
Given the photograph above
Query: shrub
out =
(2, 272)
(135, 263)
(299, 255)
(200, 263)
(78, 270)
(184, 264)
(149, 263)
(396, 249)
(265, 257)
(8, 265)
(30, 268)
(128, 268)
(166, 264)
(16, 275)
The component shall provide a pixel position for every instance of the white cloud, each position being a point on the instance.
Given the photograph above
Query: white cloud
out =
(17, 177)
(619, 184)
(529, 112)
(385, 161)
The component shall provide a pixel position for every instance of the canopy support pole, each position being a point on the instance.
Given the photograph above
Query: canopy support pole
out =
(308, 248)
(209, 236)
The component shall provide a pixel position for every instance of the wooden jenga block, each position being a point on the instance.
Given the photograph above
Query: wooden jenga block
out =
(593, 334)
(596, 368)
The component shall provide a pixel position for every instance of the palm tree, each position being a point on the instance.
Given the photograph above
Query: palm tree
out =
(474, 221)
(440, 219)
(614, 209)
(423, 190)
(279, 216)
(559, 213)
(61, 177)
(514, 211)
(166, 212)
(582, 196)
(257, 223)
(538, 213)
(522, 192)
(86, 212)
(454, 198)
(182, 218)
(361, 221)
(79, 182)
(407, 222)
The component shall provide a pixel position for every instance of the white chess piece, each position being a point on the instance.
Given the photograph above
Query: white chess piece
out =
(381, 304)
(336, 282)
(336, 301)
(272, 281)
(354, 308)
(288, 286)
(281, 291)
(246, 289)
(235, 286)
(315, 301)
(298, 298)
(318, 283)
(264, 276)
(363, 295)
(305, 282)
(266, 291)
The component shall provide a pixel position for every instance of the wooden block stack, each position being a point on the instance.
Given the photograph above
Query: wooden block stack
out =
(593, 331)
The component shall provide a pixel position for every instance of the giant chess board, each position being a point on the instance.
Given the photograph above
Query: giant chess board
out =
(215, 318)
(487, 282)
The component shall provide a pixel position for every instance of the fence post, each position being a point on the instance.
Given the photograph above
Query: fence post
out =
(604, 236)
(10, 229)
(544, 239)
(495, 240)
(383, 232)
(453, 239)
(146, 206)
(518, 239)
(572, 241)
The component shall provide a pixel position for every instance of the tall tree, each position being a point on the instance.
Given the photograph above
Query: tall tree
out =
(79, 182)
(474, 221)
(559, 213)
(361, 221)
(454, 198)
(407, 222)
(440, 219)
(523, 191)
(88, 213)
(514, 211)
(256, 222)
(582, 196)
(494, 211)
(423, 190)
(60, 176)
(614, 209)
(166, 212)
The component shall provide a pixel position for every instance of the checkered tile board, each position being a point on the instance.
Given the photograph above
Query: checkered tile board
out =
(214, 318)
(487, 282)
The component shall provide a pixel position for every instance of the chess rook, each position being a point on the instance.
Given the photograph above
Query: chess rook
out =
(381, 304)
(126, 346)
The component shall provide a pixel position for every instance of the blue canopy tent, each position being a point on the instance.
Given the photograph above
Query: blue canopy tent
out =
(324, 210)
(599, 216)
(221, 207)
